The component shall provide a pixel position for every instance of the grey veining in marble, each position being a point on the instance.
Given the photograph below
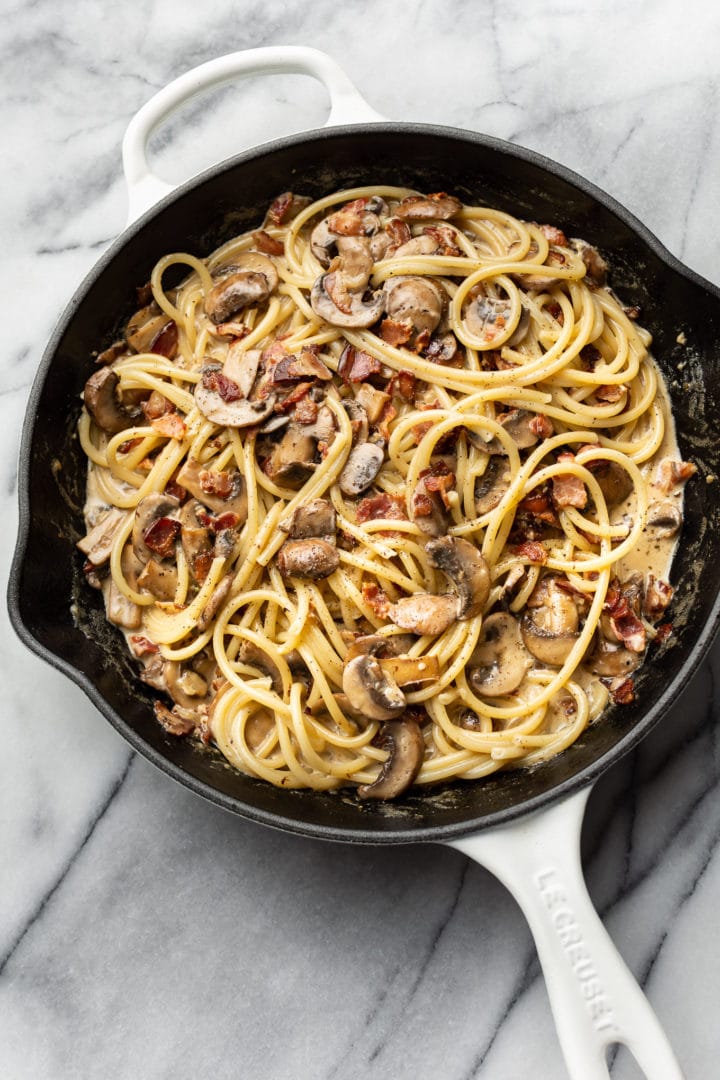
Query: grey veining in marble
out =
(144, 934)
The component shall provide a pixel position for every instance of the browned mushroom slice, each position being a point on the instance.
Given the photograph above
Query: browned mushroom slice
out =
(492, 485)
(150, 330)
(241, 367)
(486, 313)
(222, 492)
(186, 687)
(311, 558)
(614, 481)
(438, 205)
(219, 400)
(416, 300)
(466, 571)
(323, 243)
(102, 402)
(195, 539)
(418, 245)
(540, 280)
(500, 662)
(612, 661)
(372, 692)
(373, 401)
(414, 671)
(332, 301)
(524, 428)
(120, 611)
(363, 464)
(251, 654)
(291, 462)
(316, 518)
(549, 626)
(425, 613)
(595, 265)
(98, 542)
(355, 261)
(251, 279)
(406, 749)
(159, 578)
(665, 519)
(152, 509)
(215, 602)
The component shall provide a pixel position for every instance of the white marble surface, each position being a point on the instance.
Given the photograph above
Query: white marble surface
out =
(146, 934)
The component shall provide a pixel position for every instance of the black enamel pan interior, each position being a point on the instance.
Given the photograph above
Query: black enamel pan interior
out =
(61, 619)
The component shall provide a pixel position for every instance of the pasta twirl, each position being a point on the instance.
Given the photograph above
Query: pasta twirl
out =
(384, 492)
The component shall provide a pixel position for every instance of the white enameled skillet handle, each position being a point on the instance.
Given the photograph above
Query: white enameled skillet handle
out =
(595, 999)
(347, 106)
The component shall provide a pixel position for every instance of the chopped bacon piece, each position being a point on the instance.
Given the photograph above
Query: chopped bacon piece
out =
(201, 565)
(295, 395)
(625, 624)
(357, 366)
(398, 231)
(438, 479)
(172, 425)
(557, 313)
(267, 244)
(166, 342)
(542, 426)
(307, 365)
(160, 536)
(237, 331)
(624, 693)
(381, 508)
(142, 646)
(227, 520)
(444, 236)
(610, 393)
(226, 388)
(590, 356)
(349, 220)
(376, 599)
(568, 490)
(554, 235)
(422, 504)
(658, 594)
(128, 445)
(539, 507)
(403, 383)
(156, 405)
(216, 482)
(279, 207)
(306, 411)
(662, 633)
(533, 551)
(386, 418)
(672, 474)
(396, 332)
(174, 489)
(170, 721)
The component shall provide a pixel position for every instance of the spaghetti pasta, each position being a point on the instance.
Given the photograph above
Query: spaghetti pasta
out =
(384, 492)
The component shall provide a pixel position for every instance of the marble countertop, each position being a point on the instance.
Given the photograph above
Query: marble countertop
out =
(146, 934)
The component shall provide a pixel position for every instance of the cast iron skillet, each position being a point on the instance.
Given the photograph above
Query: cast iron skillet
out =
(61, 619)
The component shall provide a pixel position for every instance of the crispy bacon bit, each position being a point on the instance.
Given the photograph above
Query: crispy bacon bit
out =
(672, 474)
(539, 507)
(216, 482)
(228, 520)
(396, 332)
(108, 355)
(307, 365)
(357, 366)
(166, 342)
(267, 244)
(237, 331)
(623, 620)
(444, 236)
(438, 479)
(624, 693)
(279, 207)
(306, 411)
(348, 221)
(398, 231)
(542, 426)
(381, 508)
(170, 721)
(422, 504)
(293, 397)
(568, 490)
(611, 393)
(554, 235)
(376, 599)
(420, 431)
(590, 357)
(160, 536)
(171, 425)
(402, 383)
(557, 313)
(156, 405)
(201, 565)
(226, 388)
(658, 594)
(142, 646)
(174, 489)
(337, 290)
(128, 445)
(386, 418)
(533, 551)
(662, 633)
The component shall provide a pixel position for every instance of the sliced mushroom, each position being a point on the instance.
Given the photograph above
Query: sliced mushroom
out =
(215, 602)
(418, 245)
(438, 205)
(500, 662)
(120, 611)
(416, 300)
(372, 400)
(665, 518)
(549, 626)
(492, 485)
(98, 542)
(151, 509)
(332, 301)
(363, 464)
(540, 280)
(147, 328)
(614, 481)
(466, 570)
(194, 536)
(414, 671)
(612, 661)
(102, 402)
(355, 261)
(251, 654)
(595, 265)
(323, 243)
(252, 278)
(186, 687)
(316, 518)
(486, 313)
(159, 578)
(371, 691)
(291, 462)
(235, 412)
(311, 558)
(241, 366)
(425, 613)
(195, 478)
(406, 750)
(520, 425)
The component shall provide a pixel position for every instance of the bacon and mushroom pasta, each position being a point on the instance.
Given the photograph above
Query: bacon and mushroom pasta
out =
(383, 493)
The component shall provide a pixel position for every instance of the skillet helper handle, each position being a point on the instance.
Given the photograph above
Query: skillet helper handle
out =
(347, 106)
(594, 997)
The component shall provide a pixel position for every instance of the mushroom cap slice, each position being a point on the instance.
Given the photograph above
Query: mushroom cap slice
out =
(102, 403)
(312, 558)
(665, 518)
(417, 300)
(234, 293)
(363, 464)
(549, 626)
(316, 518)
(548, 646)
(612, 661)
(360, 313)
(404, 741)
(323, 243)
(149, 510)
(425, 613)
(423, 207)
(466, 570)
(485, 315)
(372, 692)
(500, 662)
(233, 414)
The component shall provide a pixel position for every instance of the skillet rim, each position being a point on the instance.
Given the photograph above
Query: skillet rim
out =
(408, 833)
